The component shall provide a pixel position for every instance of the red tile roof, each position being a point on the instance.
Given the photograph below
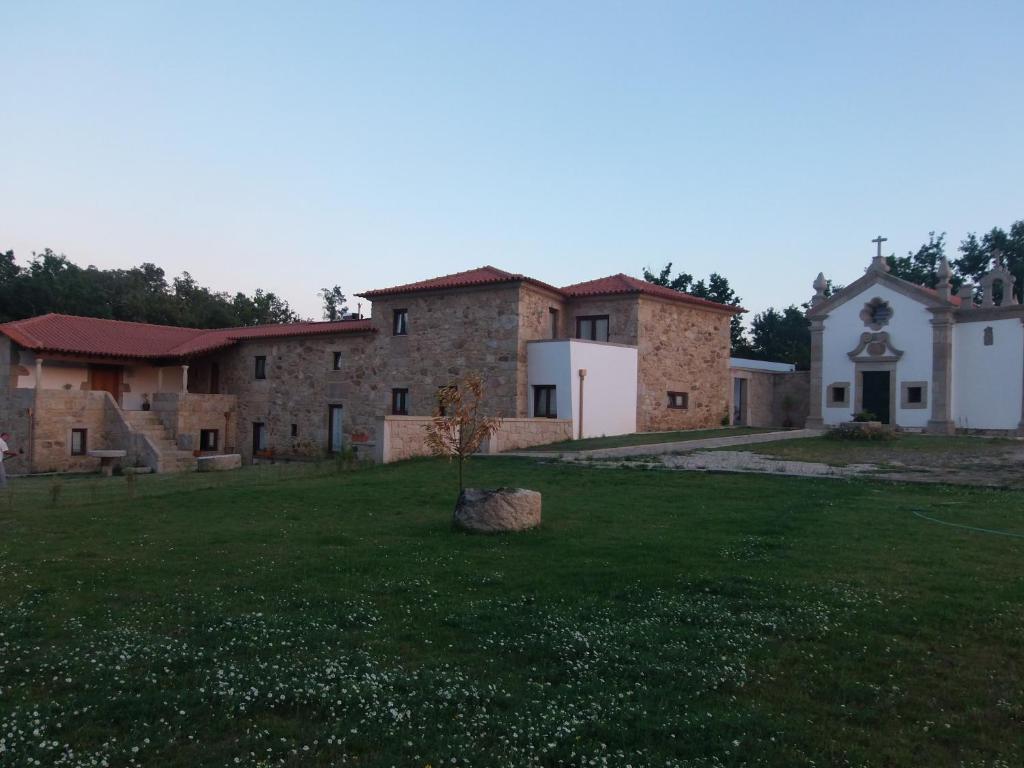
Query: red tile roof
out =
(70, 334)
(624, 284)
(605, 286)
(486, 275)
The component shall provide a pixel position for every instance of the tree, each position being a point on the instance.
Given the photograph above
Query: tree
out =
(459, 428)
(53, 283)
(716, 288)
(782, 335)
(977, 254)
(334, 303)
(922, 267)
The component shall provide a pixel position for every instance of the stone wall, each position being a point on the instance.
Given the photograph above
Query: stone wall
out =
(682, 348)
(186, 415)
(795, 386)
(60, 411)
(767, 393)
(300, 386)
(404, 437)
(524, 433)
(450, 334)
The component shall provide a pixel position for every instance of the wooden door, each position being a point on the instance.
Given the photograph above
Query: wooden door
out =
(876, 394)
(106, 378)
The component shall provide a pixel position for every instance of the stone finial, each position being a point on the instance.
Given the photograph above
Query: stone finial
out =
(944, 274)
(819, 285)
(966, 296)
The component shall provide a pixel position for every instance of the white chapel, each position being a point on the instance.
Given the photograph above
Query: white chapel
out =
(918, 358)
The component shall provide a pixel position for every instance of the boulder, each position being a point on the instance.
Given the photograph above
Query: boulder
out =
(219, 463)
(496, 510)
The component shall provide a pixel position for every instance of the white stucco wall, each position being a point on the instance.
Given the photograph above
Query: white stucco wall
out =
(988, 382)
(909, 329)
(609, 389)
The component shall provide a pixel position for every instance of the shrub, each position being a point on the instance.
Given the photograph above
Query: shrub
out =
(863, 416)
(854, 431)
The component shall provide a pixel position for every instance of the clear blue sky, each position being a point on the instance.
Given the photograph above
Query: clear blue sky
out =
(292, 146)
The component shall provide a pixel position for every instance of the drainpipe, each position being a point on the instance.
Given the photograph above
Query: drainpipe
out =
(583, 375)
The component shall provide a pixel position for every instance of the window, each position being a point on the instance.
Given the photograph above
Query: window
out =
(679, 400)
(401, 324)
(988, 336)
(442, 395)
(208, 439)
(259, 436)
(79, 442)
(914, 395)
(261, 367)
(295, 430)
(337, 361)
(593, 327)
(400, 402)
(544, 405)
(554, 315)
(838, 395)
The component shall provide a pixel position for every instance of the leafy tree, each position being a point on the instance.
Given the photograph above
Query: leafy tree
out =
(782, 335)
(333, 302)
(50, 282)
(977, 254)
(716, 288)
(921, 267)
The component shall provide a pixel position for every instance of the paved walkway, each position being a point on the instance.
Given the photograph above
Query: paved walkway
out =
(655, 449)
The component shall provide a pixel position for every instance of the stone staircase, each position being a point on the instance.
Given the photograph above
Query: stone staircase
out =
(171, 458)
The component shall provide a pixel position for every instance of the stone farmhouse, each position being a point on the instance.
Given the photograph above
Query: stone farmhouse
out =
(918, 358)
(607, 356)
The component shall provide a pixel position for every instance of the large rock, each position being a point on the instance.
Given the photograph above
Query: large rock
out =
(497, 510)
(220, 463)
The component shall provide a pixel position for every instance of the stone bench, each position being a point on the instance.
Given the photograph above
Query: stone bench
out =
(220, 463)
(107, 459)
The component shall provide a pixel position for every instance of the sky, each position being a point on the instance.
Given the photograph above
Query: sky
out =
(293, 146)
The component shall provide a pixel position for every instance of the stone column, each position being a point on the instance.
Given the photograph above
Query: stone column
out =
(941, 422)
(184, 379)
(814, 414)
(39, 373)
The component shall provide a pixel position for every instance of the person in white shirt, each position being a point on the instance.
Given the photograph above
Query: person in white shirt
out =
(5, 451)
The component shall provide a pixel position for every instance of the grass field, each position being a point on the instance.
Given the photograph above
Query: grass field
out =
(656, 619)
(646, 438)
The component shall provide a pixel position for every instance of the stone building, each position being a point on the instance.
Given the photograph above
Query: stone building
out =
(602, 357)
(918, 358)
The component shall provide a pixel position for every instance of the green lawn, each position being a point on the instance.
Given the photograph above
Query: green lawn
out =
(905, 448)
(647, 438)
(657, 619)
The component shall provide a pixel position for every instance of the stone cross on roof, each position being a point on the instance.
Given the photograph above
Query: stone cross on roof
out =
(878, 263)
(998, 258)
(878, 241)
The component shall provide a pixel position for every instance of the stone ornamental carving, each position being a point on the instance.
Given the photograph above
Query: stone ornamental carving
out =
(876, 314)
(875, 348)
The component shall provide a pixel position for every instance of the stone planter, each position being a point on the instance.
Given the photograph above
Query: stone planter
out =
(136, 470)
(220, 463)
(497, 510)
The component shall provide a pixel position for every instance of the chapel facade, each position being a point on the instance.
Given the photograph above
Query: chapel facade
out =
(918, 358)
